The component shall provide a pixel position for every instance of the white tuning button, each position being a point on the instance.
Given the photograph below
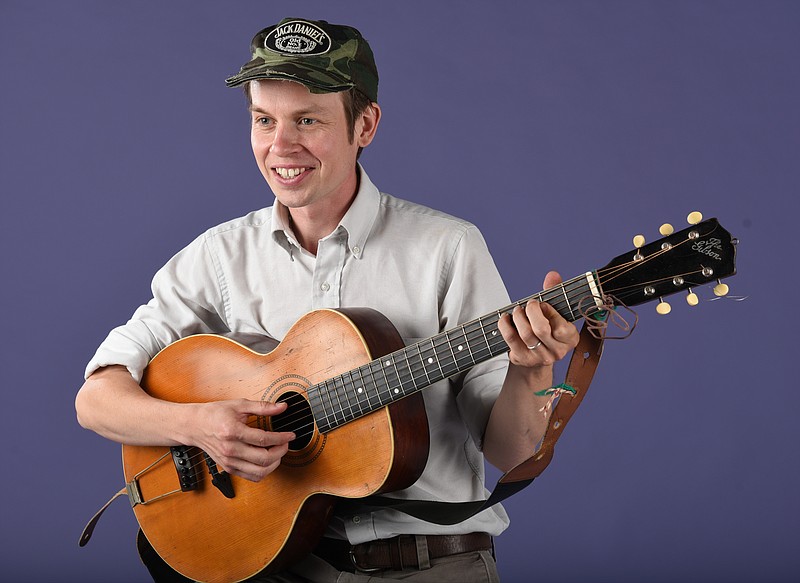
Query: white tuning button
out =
(721, 289)
(666, 229)
(663, 307)
(694, 218)
(692, 298)
(638, 241)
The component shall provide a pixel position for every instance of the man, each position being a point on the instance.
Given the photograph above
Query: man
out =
(333, 240)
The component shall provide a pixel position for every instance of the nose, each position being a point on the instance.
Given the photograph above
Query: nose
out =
(285, 139)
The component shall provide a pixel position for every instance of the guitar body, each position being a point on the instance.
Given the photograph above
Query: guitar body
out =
(206, 536)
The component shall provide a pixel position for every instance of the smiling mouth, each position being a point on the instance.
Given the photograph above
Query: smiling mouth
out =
(288, 173)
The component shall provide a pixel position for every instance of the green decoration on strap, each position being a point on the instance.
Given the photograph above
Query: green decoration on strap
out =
(562, 388)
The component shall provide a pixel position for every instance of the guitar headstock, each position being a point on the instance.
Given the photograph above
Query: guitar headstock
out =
(700, 254)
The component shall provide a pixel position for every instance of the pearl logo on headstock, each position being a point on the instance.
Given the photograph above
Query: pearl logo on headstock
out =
(710, 247)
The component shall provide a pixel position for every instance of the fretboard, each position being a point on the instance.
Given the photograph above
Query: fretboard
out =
(383, 381)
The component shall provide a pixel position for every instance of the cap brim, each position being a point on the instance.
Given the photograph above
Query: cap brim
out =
(308, 76)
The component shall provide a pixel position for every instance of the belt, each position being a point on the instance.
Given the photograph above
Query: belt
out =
(398, 553)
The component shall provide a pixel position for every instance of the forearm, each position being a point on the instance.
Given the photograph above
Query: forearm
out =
(113, 405)
(517, 422)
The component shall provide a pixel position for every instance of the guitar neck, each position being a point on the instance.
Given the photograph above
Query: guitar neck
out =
(383, 381)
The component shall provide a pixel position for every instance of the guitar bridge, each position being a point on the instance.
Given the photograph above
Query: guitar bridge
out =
(184, 465)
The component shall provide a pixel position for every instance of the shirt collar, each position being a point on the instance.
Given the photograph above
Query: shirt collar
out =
(361, 215)
(357, 221)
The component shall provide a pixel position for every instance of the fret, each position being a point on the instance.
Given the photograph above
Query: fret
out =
(362, 385)
(485, 339)
(476, 339)
(380, 394)
(323, 421)
(416, 365)
(458, 347)
(338, 388)
(351, 389)
(362, 395)
(328, 401)
(468, 346)
(393, 378)
(571, 313)
(317, 407)
(406, 377)
(357, 395)
(382, 369)
(494, 339)
(431, 358)
(446, 358)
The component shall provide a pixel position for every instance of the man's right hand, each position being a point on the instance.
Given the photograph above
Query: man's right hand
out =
(113, 404)
(221, 429)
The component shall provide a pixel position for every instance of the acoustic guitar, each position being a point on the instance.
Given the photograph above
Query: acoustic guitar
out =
(354, 403)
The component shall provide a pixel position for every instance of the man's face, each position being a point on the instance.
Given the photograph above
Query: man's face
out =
(303, 147)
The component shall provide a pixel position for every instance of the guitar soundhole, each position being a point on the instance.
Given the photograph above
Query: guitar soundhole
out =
(296, 418)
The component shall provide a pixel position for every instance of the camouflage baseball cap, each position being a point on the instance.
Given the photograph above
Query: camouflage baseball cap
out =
(324, 57)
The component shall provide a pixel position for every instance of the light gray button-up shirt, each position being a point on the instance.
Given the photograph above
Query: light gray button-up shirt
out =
(425, 270)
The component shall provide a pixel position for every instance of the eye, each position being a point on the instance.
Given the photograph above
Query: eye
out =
(261, 121)
(307, 121)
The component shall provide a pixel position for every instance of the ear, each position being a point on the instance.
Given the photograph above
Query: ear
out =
(369, 119)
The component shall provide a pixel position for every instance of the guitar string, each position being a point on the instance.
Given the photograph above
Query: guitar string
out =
(303, 426)
(305, 422)
(302, 422)
(620, 270)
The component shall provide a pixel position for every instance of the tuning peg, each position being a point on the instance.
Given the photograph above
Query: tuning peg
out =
(663, 307)
(721, 289)
(638, 241)
(692, 298)
(694, 217)
(666, 229)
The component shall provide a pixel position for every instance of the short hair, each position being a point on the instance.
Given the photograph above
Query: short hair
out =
(354, 101)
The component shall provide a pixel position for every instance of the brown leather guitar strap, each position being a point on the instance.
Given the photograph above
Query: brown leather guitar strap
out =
(580, 372)
(582, 366)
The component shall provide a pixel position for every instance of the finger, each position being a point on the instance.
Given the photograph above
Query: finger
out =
(260, 408)
(250, 462)
(523, 352)
(552, 278)
(262, 438)
(526, 320)
(562, 331)
(247, 470)
(539, 323)
(510, 333)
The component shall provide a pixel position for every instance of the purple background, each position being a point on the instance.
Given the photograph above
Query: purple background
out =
(561, 128)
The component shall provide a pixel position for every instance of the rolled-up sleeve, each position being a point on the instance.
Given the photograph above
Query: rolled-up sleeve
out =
(188, 298)
(473, 288)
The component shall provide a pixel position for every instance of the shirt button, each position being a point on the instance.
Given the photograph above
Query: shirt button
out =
(356, 250)
(356, 519)
(325, 286)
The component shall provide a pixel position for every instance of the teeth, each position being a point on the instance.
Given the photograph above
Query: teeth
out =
(289, 172)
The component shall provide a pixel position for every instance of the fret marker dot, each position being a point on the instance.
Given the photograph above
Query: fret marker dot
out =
(397, 391)
(360, 390)
(430, 361)
(388, 362)
(460, 347)
(494, 332)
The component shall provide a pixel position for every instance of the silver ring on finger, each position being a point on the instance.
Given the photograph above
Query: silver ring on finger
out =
(535, 346)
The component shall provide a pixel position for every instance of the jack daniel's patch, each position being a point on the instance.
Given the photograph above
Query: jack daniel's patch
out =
(298, 38)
